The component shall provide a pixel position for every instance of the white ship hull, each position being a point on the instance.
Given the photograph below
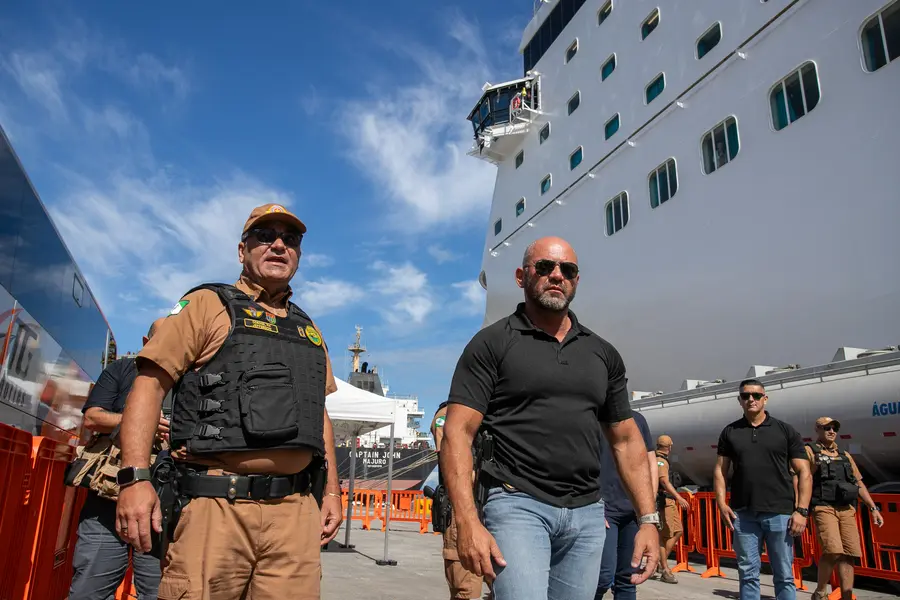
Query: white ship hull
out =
(780, 256)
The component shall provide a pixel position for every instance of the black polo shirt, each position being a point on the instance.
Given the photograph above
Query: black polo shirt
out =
(543, 401)
(761, 457)
(112, 387)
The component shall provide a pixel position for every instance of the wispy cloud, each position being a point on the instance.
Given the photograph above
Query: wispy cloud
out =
(313, 260)
(472, 297)
(325, 296)
(442, 255)
(39, 77)
(411, 141)
(409, 294)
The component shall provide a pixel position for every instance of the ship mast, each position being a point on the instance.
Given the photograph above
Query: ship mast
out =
(357, 349)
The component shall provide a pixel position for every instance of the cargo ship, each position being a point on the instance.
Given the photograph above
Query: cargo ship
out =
(414, 456)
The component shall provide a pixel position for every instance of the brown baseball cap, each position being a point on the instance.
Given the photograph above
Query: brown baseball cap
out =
(822, 421)
(664, 441)
(273, 212)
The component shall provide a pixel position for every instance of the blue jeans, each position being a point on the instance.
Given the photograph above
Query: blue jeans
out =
(615, 566)
(101, 557)
(751, 529)
(551, 553)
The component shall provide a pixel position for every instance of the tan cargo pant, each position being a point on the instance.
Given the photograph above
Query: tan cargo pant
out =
(245, 550)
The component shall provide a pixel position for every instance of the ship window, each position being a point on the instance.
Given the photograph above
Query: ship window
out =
(655, 87)
(617, 213)
(574, 102)
(663, 183)
(612, 126)
(553, 25)
(545, 184)
(545, 133)
(608, 67)
(794, 96)
(520, 158)
(498, 226)
(572, 51)
(881, 37)
(650, 23)
(604, 12)
(720, 145)
(575, 158)
(77, 290)
(520, 206)
(709, 40)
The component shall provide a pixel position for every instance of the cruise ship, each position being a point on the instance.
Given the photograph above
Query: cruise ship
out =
(727, 174)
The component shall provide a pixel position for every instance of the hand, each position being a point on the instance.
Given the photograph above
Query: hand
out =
(877, 518)
(798, 524)
(476, 548)
(646, 553)
(728, 516)
(163, 427)
(136, 507)
(605, 520)
(683, 503)
(332, 517)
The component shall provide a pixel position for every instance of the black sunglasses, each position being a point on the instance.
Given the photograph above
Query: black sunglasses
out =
(267, 235)
(756, 395)
(546, 266)
(830, 428)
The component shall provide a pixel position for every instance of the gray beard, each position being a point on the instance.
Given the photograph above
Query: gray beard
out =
(553, 303)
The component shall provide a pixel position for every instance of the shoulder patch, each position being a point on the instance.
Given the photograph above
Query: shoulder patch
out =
(660, 463)
(179, 307)
(313, 336)
(439, 422)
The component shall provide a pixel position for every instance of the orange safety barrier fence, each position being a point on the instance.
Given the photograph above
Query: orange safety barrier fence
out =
(15, 474)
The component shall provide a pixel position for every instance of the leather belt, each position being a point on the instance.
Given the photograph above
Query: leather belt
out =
(245, 487)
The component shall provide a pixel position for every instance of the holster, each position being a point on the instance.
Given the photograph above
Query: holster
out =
(484, 453)
(318, 476)
(441, 510)
(164, 477)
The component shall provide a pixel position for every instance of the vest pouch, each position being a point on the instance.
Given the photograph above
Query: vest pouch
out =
(268, 410)
(839, 493)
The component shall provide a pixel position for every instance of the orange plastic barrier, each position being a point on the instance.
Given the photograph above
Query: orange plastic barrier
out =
(15, 474)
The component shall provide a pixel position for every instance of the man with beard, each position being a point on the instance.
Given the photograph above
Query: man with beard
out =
(543, 386)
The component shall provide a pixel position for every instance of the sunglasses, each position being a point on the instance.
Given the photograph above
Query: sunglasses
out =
(746, 395)
(267, 235)
(830, 428)
(545, 266)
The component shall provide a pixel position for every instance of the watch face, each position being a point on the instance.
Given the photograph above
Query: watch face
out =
(125, 476)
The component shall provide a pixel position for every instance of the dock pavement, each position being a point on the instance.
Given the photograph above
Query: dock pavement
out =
(419, 573)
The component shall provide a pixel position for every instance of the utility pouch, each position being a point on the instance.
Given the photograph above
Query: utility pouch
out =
(268, 410)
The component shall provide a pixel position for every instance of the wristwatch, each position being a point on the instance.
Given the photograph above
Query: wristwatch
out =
(129, 475)
(803, 512)
(652, 518)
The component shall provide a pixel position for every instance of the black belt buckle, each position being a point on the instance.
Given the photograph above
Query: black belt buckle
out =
(260, 487)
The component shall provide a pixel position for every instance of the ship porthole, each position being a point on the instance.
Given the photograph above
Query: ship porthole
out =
(482, 279)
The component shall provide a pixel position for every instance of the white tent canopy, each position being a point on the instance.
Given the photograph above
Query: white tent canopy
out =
(353, 412)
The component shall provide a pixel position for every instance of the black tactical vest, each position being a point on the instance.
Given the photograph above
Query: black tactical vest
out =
(833, 481)
(674, 479)
(263, 389)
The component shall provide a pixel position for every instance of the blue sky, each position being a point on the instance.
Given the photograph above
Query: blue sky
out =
(150, 133)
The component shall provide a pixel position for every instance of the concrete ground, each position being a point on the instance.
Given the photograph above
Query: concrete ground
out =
(419, 573)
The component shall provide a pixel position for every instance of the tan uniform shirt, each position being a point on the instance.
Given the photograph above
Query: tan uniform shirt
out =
(663, 466)
(190, 338)
(437, 428)
(833, 452)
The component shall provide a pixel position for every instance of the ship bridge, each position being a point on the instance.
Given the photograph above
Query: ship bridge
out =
(502, 115)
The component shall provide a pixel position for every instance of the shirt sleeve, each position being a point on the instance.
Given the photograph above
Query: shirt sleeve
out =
(476, 374)
(723, 448)
(183, 335)
(617, 406)
(330, 383)
(105, 392)
(856, 472)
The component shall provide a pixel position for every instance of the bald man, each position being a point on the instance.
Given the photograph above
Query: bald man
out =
(545, 387)
(101, 557)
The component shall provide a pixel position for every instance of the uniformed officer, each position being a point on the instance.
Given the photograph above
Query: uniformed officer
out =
(463, 584)
(668, 502)
(837, 485)
(250, 373)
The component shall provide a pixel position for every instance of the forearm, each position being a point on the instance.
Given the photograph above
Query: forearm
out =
(332, 483)
(630, 456)
(101, 420)
(455, 462)
(866, 497)
(719, 486)
(804, 483)
(669, 487)
(140, 421)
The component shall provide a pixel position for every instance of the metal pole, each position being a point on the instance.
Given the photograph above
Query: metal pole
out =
(353, 450)
(387, 519)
